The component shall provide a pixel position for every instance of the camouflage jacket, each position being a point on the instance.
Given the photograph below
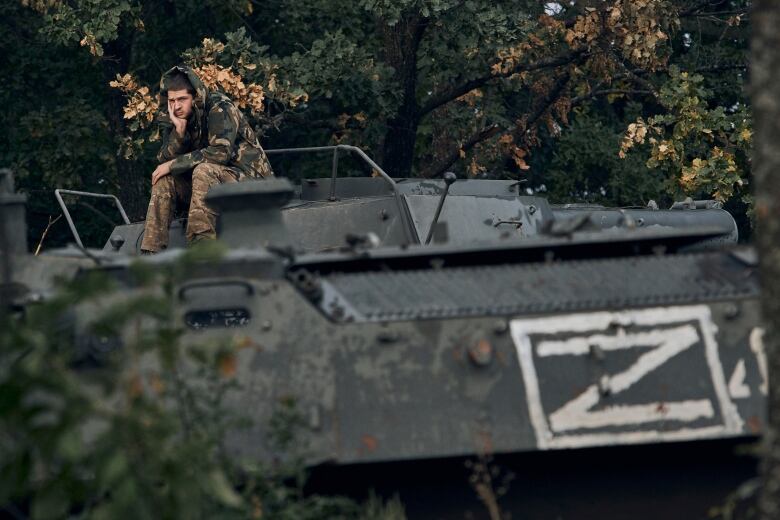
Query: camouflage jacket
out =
(217, 132)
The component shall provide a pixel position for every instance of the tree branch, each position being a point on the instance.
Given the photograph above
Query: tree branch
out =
(694, 9)
(548, 101)
(245, 22)
(596, 93)
(634, 74)
(718, 68)
(46, 232)
(721, 13)
(733, 12)
(441, 166)
(448, 95)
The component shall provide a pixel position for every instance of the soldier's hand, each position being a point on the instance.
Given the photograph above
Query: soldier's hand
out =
(178, 123)
(161, 171)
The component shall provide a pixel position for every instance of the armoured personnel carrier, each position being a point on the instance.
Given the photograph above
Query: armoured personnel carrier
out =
(610, 358)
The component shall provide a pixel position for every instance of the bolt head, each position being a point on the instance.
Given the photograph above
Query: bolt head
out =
(117, 241)
(481, 353)
(731, 311)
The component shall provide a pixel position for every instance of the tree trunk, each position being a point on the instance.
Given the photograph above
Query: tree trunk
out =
(401, 42)
(130, 178)
(765, 92)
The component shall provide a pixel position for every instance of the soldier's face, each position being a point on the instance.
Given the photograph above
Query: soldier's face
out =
(181, 103)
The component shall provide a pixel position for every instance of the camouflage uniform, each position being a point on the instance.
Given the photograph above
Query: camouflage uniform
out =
(218, 146)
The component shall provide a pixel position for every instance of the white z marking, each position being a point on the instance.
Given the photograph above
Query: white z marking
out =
(674, 330)
(578, 412)
(737, 387)
(757, 346)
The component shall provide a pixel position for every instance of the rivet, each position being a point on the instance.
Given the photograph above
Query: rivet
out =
(731, 311)
(481, 353)
(500, 327)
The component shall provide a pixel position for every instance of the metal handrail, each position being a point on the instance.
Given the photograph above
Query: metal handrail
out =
(409, 230)
(411, 234)
(334, 172)
(65, 211)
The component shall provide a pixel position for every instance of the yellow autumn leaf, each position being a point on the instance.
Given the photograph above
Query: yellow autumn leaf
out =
(506, 139)
(535, 40)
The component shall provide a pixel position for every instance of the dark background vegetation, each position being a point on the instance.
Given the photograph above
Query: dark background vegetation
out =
(482, 88)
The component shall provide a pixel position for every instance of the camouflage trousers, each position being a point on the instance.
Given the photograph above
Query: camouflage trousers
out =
(174, 193)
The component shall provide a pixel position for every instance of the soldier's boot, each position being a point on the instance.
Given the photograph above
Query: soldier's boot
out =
(159, 215)
(202, 220)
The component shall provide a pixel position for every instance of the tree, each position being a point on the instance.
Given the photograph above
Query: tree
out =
(119, 36)
(765, 83)
(484, 88)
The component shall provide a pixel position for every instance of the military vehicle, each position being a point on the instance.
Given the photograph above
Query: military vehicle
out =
(611, 359)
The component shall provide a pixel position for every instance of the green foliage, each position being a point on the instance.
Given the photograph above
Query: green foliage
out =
(55, 128)
(339, 69)
(703, 150)
(89, 22)
(138, 431)
(349, 58)
(584, 167)
(65, 129)
(390, 11)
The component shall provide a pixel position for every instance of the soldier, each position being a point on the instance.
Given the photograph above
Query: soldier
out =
(207, 141)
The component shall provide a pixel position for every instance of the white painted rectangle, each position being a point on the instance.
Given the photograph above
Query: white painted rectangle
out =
(657, 336)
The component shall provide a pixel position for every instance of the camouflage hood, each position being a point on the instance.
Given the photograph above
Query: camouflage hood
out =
(200, 110)
(201, 92)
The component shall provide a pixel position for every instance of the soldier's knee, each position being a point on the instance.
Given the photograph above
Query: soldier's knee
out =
(203, 171)
(163, 185)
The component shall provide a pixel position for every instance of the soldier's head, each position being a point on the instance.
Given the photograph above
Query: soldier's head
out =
(181, 94)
